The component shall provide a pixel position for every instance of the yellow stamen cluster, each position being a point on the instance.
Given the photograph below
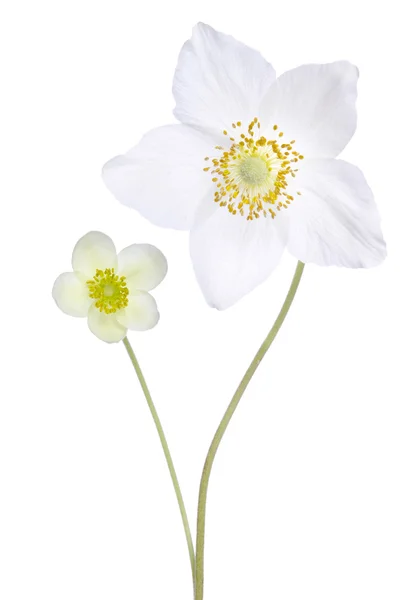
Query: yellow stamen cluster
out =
(251, 176)
(109, 290)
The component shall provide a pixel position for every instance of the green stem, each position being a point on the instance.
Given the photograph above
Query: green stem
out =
(166, 454)
(200, 533)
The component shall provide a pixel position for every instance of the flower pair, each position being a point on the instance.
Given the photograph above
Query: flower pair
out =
(250, 170)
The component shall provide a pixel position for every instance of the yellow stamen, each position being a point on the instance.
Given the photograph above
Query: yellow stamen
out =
(109, 290)
(252, 175)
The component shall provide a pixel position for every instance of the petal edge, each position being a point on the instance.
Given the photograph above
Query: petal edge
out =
(95, 250)
(335, 221)
(231, 256)
(162, 177)
(315, 104)
(144, 266)
(218, 80)
(105, 327)
(71, 295)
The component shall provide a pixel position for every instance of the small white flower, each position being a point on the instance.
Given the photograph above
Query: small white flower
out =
(111, 290)
(252, 168)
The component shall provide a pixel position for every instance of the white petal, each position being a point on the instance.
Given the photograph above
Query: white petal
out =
(143, 265)
(219, 80)
(141, 313)
(231, 255)
(95, 250)
(335, 221)
(105, 327)
(163, 177)
(71, 295)
(314, 105)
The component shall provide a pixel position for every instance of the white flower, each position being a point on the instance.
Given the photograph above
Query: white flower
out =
(111, 290)
(252, 168)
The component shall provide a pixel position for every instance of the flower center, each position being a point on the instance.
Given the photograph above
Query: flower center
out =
(252, 176)
(253, 170)
(109, 290)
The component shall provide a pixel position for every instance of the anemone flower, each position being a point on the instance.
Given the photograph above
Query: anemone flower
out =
(111, 289)
(251, 169)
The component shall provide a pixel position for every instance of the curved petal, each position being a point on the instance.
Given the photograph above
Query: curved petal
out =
(162, 177)
(314, 105)
(71, 295)
(219, 80)
(105, 327)
(141, 313)
(231, 256)
(335, 220)
(95, 250)
(143, 265)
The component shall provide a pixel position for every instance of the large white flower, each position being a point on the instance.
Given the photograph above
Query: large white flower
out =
(251, 169)
(111, 290)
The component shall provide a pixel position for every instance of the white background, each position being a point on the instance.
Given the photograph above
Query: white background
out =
(314, 493)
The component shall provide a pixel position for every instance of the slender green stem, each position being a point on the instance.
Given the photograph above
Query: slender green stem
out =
(166, 454)
(200, 534)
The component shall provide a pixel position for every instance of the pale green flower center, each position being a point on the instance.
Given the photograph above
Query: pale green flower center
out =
(254, 170)
(253, 174)
(109, 290)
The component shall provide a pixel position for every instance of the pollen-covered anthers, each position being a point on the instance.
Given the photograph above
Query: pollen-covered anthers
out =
(251, 176)
(109, 290)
